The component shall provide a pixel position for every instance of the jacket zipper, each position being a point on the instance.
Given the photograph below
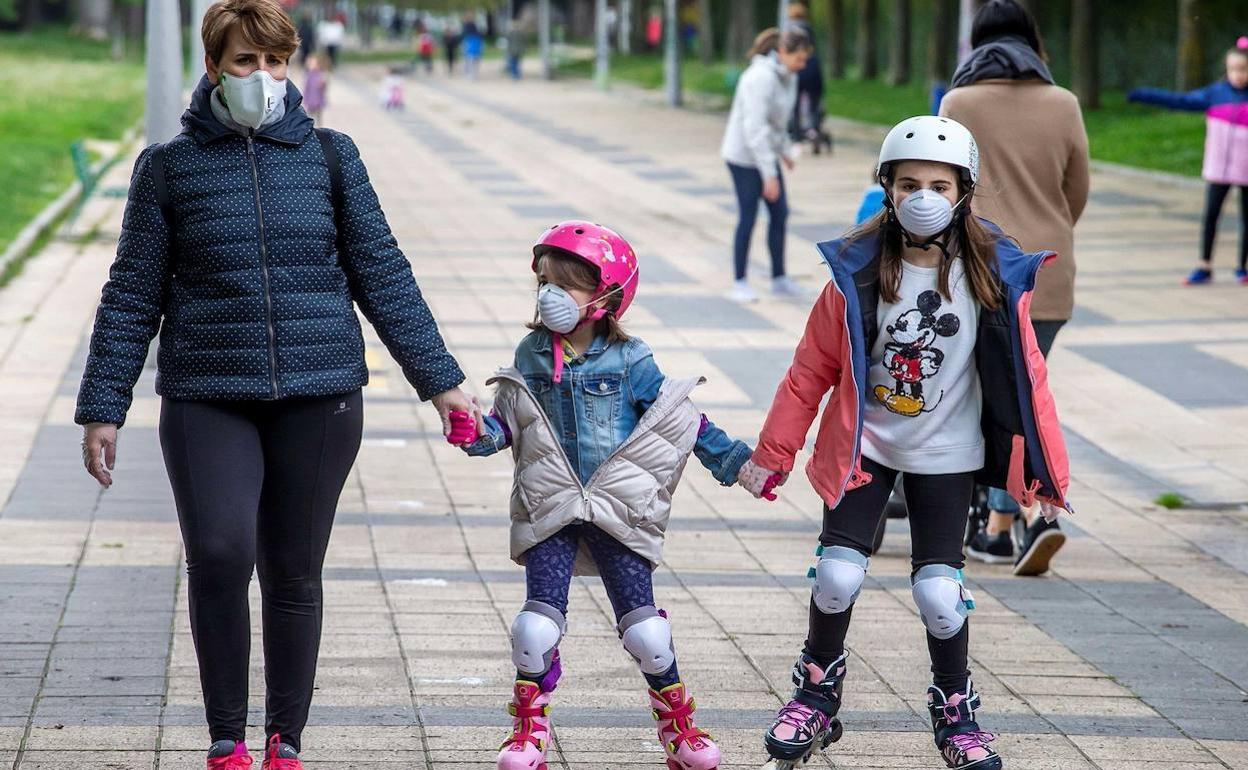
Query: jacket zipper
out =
(264, 267)
(584, 488)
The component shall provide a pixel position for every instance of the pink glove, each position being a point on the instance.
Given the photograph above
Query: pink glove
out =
(759, 481)
(463, 429)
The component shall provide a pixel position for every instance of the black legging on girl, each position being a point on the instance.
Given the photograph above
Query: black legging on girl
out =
(256, 485)
(1215, 196)
(939, 506)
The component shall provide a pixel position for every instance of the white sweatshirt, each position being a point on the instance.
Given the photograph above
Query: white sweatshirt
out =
(923, 391)
(758, 125)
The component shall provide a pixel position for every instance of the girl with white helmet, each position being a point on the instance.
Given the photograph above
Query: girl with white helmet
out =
(600, 438)
(923, 338)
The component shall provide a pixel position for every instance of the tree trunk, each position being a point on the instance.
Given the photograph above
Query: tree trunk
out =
(868, 39)
(706, 32)
(742, 27)
(30, 14)
(836, 38)
(1084, 53)
(1191, 46)
(92, 18)
(581, 19)
(942, 42)
(637, 29)
(899, 56)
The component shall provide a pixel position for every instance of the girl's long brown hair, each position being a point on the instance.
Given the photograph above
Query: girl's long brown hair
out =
(972, 241)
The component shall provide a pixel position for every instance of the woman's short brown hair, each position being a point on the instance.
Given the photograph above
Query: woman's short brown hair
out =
(262, 23)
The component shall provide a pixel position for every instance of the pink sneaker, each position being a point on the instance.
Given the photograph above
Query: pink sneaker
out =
(686, 746)
(280, 756)
(526, 748)
(238, 760)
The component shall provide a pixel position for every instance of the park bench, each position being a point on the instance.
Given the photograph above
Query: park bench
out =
(89, 177)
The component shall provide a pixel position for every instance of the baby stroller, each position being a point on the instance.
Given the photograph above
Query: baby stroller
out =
(806, 125)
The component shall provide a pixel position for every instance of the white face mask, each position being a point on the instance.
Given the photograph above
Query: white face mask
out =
(925, 213)
(557, 310)
(252, 100)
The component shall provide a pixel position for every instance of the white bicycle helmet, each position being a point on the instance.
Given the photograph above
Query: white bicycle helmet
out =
(928, 137)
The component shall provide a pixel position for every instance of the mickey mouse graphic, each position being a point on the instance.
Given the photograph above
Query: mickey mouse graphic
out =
(910, 357)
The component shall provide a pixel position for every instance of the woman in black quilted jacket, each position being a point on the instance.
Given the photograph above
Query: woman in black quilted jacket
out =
(239, 248)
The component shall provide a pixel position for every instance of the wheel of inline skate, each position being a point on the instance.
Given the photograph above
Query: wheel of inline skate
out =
(835, 731)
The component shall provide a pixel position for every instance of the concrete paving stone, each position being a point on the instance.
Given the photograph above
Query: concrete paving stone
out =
(1140, 606)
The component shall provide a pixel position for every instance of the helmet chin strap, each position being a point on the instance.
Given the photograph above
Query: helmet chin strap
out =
(557, 339)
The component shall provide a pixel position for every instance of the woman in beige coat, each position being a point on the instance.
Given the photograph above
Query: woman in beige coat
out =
(1034, 184)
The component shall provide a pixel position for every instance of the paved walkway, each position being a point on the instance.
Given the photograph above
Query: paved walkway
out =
(1131, 654)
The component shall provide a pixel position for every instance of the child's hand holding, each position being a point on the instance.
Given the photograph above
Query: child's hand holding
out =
(463, 429)
(760, 481)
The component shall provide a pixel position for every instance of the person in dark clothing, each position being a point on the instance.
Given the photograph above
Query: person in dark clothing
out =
(807, 121)
(261, 363)
(450, 47)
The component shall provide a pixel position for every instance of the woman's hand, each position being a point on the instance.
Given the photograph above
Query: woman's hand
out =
(456, 400)
(771, 189)
(790, 162)
(99, 451)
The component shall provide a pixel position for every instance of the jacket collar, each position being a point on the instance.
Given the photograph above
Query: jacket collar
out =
(1015, 267)
(600, 343)
(200, 123)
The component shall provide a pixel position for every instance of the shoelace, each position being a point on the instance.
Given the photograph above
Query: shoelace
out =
(974, 740)
(796, 714)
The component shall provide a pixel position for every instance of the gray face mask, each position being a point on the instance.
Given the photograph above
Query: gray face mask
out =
(254, 100)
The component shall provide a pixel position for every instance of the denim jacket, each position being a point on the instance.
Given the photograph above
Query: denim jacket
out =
(603, 395)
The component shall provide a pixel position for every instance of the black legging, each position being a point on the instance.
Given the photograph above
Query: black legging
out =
(939, 506)
(256, 485)
(1215, 196)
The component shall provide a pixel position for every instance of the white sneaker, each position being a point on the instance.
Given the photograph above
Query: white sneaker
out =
(741, 292)
(785, 288)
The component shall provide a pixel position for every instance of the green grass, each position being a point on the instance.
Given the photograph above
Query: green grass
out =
(1118, 132)
(56, 89)
(1170, 500)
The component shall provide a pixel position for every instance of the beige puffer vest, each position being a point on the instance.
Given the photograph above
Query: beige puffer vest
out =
(630, 495)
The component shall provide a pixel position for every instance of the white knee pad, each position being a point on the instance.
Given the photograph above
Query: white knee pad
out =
(839, 575)
(535, 634)
(942, 600)
(647, 636)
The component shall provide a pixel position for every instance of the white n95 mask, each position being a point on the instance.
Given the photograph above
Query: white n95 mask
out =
(252, 100)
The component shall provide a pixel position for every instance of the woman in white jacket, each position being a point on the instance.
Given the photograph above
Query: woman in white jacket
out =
(756, 142)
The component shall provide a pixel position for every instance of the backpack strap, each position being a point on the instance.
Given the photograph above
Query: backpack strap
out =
(157, 167)
(334, 165)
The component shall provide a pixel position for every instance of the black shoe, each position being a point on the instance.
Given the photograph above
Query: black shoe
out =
(992, 549)
(1040, 541)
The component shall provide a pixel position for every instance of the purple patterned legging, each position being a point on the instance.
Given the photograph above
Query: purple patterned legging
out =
(625, 574)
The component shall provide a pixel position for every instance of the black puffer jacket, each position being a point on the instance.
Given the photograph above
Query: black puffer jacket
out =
(252, 299)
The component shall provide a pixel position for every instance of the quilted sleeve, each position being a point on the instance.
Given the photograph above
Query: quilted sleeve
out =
(131, 305)
(383, 285)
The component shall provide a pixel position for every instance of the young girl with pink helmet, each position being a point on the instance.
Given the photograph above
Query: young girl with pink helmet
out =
(600, 438)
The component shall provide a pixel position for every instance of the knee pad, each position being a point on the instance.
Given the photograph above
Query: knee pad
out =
(647, 636)
(535, 635)
(839, 575)
(942, 600)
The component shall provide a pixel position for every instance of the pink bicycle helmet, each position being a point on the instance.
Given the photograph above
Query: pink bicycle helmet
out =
(601, 247)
